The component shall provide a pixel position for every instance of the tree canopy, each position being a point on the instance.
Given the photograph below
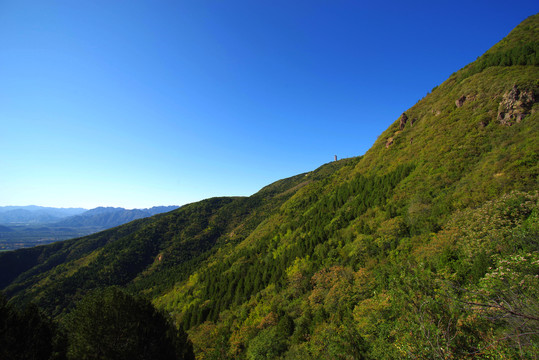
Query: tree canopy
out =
(111, 324)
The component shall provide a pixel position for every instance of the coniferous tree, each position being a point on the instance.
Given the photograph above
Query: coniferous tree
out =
(28, 334)
(111, 324)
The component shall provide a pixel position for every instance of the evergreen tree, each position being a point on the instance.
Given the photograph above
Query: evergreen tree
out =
(111, 324)
(28, 334)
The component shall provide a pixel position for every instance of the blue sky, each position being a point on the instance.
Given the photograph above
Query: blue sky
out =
(143, 103)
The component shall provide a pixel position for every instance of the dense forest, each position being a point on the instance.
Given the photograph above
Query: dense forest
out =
(426, 247)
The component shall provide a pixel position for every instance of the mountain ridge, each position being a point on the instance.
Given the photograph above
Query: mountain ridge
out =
(26, 228)
(35, 214)
(107, 217)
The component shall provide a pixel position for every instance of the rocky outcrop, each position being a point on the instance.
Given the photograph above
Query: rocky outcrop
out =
(516, 104)
(402, 121)
(460, 101)
(464, 99)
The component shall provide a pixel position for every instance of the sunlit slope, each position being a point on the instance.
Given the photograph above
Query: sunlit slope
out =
(449, 159)
(463, 155)
(148, 254)
(452, 152)
(471, 140)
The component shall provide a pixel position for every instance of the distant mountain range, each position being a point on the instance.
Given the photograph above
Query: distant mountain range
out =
(103, 217)
(28, 226)
(107, 217)
(33, 214)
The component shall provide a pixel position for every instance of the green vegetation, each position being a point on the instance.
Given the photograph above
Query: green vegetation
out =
(426, 247)
(28, 334)
(518, 48)
(106, 324)
(111, 324)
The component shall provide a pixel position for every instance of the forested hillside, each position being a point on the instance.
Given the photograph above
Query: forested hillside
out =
(155, 251)
(425, 247)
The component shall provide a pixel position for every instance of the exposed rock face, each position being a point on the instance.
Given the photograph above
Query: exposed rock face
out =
(515, 105)
(464, 99)
(389, 142)
(403, 120)
(483, 123)
(460, 101)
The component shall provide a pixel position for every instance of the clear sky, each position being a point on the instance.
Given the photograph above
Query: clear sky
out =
(143, 103)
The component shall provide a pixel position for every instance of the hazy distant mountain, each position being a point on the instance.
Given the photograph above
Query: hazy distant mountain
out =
(104, 217)
(107, 217)
(5, 229)
(33, 214)
(28, 226)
